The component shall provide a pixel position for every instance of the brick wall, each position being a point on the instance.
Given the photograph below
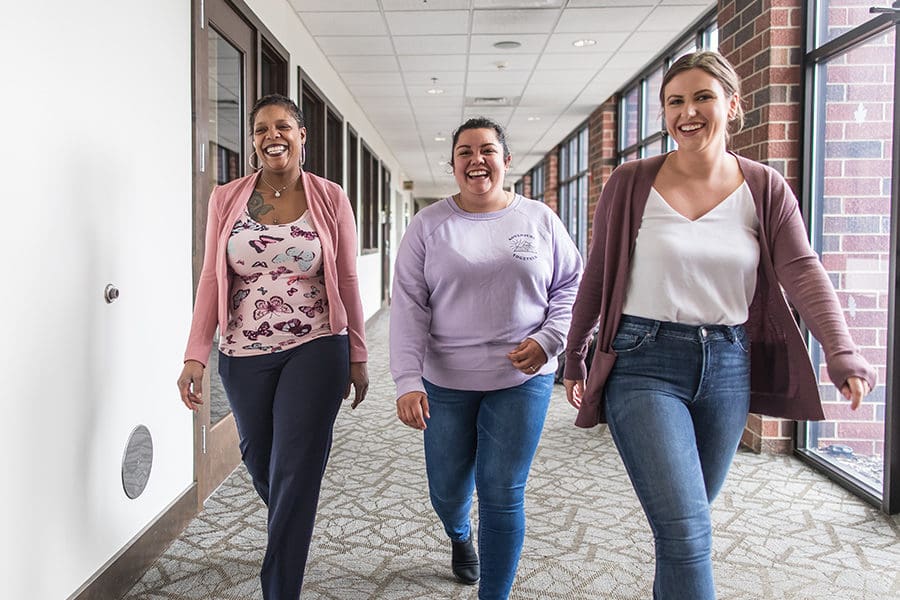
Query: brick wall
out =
(551, 180)
(762, 40)
(602, 132)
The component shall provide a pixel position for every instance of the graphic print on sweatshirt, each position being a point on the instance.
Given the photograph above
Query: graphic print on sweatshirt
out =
(278, 301)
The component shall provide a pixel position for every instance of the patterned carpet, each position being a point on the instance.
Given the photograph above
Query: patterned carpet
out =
(781, 530)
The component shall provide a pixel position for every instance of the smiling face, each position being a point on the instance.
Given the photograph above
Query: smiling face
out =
(278, 138)
(479, 162)
(698, 110)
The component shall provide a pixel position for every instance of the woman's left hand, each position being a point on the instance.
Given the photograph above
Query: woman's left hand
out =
(359, 379)
(855, 390)
(528, 357)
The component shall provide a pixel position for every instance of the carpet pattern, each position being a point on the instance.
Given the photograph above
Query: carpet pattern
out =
(782, 531)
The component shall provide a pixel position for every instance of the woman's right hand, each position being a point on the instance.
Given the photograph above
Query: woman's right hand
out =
(574, 391)
(190, 384)
(412, 409)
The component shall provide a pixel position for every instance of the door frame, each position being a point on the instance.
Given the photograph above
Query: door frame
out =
(216, 452)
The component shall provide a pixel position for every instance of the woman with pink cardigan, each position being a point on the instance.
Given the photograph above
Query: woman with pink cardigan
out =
(279, 280)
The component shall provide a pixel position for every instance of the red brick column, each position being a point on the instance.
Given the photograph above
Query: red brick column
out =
(762, 40)
(551, 180)
(602, 136)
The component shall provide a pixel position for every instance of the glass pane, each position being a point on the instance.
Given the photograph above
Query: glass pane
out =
(834, 17)
(652, 115)
(226, 104)
(226, 158)
(629, 115)
(711, 37)
(583, 214)
(686, 49)
(583, 150)
(853, 207)
(652, 150)
(573, 157)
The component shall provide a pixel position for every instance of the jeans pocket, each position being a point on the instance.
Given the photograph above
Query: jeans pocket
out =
(628, 342)
(740, 337)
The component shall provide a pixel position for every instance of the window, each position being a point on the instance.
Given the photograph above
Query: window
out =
(273, 70)
(324, 133)
(352, 188)
(370, 200)
(334, 147)
(849, 197)
(642, 131)
(537, 182)
(573, 186)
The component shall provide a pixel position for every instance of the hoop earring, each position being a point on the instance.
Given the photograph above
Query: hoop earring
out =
(302, 155)
(257, 166)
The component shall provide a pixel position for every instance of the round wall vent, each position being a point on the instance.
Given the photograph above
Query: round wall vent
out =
(137, 461)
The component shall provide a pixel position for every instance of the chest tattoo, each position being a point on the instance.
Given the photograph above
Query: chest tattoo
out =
(257, 206)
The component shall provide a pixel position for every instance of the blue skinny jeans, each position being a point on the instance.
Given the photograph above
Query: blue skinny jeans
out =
(676, 402)
(485, 440)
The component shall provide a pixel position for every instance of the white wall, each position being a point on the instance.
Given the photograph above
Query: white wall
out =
(97, 167)
(97, 170)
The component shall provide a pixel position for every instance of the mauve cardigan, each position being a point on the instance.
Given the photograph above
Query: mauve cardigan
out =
(782, 380)
(330, 212)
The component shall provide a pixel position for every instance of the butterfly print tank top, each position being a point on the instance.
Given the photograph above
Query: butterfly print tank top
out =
(277, 287)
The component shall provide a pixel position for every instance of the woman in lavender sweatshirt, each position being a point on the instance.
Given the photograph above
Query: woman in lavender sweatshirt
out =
(482, 298)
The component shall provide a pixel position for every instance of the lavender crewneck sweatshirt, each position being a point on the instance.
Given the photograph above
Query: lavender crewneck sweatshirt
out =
(469, 287)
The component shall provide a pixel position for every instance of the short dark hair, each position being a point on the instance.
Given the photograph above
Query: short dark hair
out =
(277, 100)
(480, 123)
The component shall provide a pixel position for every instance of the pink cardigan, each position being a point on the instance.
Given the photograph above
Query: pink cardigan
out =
(335, 223)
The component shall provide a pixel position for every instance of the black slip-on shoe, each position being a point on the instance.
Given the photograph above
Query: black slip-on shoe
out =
(465, 562)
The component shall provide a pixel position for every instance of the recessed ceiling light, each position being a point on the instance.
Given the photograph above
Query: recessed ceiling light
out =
(584, 43)
(440, 138)
(507, 45)
(533, 118)
(434, 90)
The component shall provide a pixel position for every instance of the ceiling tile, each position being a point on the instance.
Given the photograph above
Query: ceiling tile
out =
(434, 62)
(519, 3)
(514, 21)
(671, 18)
(304, 6)
(494, 90)
(489, 62)
(606, 41)
(439, 22)
(573, 61)
(349, 23)
(611, 3)
(518, 78)
(430, 5)
(602, 19)
(532, 43)
(352, 64)
(355, 45)
(366, 78)
(428, 44)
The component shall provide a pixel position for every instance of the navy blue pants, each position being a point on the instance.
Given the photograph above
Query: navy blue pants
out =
(285, 405)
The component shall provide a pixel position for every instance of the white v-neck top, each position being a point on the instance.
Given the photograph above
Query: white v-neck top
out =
(695, 272)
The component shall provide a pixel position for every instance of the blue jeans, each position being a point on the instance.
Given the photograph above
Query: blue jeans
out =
(485, 440)
(676, 402)
(285, 405)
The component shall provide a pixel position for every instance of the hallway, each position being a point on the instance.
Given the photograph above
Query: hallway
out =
(781, 530)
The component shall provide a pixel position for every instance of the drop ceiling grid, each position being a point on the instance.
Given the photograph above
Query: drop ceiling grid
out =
(388, 52)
